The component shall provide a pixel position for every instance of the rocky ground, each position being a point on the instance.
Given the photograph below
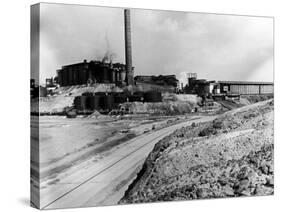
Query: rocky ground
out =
(229, 157)
(257, 98)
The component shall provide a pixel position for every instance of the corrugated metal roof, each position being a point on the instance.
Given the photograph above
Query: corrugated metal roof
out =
(245, 83)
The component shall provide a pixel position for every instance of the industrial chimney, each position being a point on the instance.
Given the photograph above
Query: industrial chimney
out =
(128, 48)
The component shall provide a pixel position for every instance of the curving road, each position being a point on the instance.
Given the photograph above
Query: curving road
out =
(104, 182)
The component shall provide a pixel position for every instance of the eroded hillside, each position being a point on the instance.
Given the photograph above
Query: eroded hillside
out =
(231, 156)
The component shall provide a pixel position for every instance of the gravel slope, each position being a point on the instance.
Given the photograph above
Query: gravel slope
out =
(231, 156)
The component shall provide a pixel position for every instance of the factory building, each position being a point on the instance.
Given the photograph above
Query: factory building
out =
(115, 73)
(101, 71)
(246, 88)
(92, 72)
(203, 87)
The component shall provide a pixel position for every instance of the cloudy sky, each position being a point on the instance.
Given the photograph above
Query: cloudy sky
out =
(216, 47)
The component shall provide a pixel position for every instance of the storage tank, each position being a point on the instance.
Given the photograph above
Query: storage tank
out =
(65, 77)
(108, 102)
(69, 76)
(153, 96)
(88, 95)
(105, 73)
(112, 75)
(75, 77)
(84, 76)
(136, 98)
(117, 75)
(80, 102)
(94, 102)
(120, 98)
(123, 75)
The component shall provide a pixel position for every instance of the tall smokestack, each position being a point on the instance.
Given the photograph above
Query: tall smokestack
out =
(128, 48)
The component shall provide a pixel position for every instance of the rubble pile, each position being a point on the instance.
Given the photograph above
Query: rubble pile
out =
(191, 98)
(231, 156)
(51, 105)
(159, 108)
(257, 98)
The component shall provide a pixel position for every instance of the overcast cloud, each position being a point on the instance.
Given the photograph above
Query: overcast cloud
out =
(216, 47)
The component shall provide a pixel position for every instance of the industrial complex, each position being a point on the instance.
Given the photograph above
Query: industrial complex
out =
(125, 87)
(109, 132)
(224, 89)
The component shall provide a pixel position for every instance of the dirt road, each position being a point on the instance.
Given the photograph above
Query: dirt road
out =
(104, 182)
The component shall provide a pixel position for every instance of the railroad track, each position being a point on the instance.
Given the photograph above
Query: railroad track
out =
(105, 169)
(78, 191)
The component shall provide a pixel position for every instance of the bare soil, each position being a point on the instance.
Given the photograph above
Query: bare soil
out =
(231, 156)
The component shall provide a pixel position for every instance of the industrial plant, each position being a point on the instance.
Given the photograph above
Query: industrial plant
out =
(122, 86)
(112, 133)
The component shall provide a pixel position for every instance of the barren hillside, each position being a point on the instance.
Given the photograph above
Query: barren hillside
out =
(231, 156)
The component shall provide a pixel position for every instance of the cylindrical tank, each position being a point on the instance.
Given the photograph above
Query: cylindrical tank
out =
(101, 101)
(105, 77)
(118, 75)
(75, 77)
(108, 102)
(78, 77)
(80, 102)
(84, 76)
(69, 70)
(88, 95)
(65, 76)
(135, 98)
(94, 102)
(112, 75)
(118, 99)
(123, 75)
(153, 96)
